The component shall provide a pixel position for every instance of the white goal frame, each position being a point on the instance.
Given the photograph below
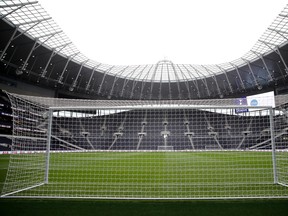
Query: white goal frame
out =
(45, 153)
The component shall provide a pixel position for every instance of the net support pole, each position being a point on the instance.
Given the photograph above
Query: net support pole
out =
(49, 131)
(271, 114)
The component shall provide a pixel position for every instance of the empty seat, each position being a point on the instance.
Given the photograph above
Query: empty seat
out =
(189, 133)
(117, 134)
(165, 133)
(142, 134)
(246, 133)
(85, 133)
(165, 122)
(212, 133)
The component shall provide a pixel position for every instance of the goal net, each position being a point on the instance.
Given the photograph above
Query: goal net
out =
(147, 149)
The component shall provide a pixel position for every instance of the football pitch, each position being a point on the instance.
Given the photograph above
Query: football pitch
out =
(150, 175)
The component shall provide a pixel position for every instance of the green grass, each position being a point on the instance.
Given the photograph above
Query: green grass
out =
(150, 175)
(4, 160)
(86, 207)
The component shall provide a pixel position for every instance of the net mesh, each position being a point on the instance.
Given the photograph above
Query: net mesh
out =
(147, 149)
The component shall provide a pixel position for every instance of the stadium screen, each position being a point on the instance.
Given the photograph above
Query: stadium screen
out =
(264, 99)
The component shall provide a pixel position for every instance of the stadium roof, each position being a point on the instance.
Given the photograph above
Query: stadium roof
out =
(31, 18)
(28, 27)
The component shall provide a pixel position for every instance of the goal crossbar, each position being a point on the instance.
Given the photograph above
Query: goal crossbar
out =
(145, 149)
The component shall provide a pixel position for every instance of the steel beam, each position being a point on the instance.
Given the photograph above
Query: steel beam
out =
(283, 15)
(5, 15)
(252, 73)
(135, 82)
(214, 78)
(60, 79)
(47, 64)
(116, 78)
(169, 86)
(281, 33)
(50, 35)
(104, 76)
(152, 79)
(143, 83)
(195, 79)
(125, 79)
(9, 42)
(269, 44)
(240, 78)
(26, 30)
(177, 77)
(54, 52)
(90, 79)
(37, 21)
(74, 84)
(186, 81)
(282, 59)
(265, 65)
(276, 50)
(29, 55)
(160, 83)
(10, 59)
(18, 5)
(228, 81)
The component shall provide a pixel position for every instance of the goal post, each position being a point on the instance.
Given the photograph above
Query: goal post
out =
(273, 147)
(48, 145)
(201, 149)
(27, 165)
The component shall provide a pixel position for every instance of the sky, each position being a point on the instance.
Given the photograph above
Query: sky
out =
(132, 32)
